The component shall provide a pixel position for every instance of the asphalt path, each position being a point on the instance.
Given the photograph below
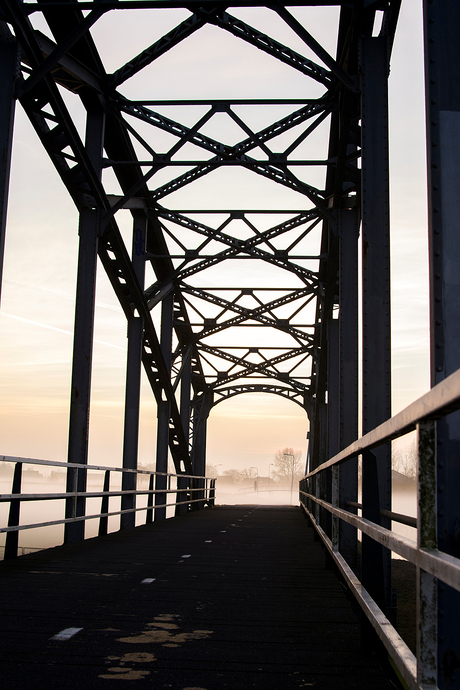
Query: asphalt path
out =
(232, 597)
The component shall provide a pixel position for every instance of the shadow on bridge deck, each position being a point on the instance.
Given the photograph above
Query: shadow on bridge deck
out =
(234, 597)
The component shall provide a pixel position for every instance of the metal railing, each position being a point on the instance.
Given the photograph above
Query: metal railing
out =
(191, 492)
(418, 671)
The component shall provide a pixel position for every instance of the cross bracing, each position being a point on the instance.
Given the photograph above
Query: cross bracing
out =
(152, 156)
(243, 204)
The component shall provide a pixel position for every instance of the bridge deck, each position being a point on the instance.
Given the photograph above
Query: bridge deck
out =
(241, 598)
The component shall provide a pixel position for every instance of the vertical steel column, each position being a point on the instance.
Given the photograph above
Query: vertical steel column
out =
(163, 409)
(442, 79)
(376, 295)
(133, 379)
(321, 478)
(333, 391)
(83, 336)
(348, 347)
(200, 427)
(333, 418)
(185, 392)
(12, 538)
(9, 64)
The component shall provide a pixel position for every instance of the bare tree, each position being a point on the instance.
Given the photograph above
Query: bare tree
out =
(288, 460)
(234, 475)
(404, 461)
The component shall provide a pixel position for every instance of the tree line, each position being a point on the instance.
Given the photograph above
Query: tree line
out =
(286, 464)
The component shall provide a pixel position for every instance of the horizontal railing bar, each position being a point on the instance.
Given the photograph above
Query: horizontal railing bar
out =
(439, 401)
(402, 656)
(19, 528)
(396, 517)
(104, 468)
(436, 563)
(6, 498)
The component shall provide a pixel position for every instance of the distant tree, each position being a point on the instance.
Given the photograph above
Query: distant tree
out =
(211, 470)
(239, 476)
(234, 475)
(405, 461)
(283, 463)
(247, 473)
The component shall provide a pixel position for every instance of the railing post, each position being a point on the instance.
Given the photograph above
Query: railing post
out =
(150, 501)
(335, 502)
(427, 588)
(317, 494)
(212, 492)
(104, 521)
(164, 411)
(12, 538)
(372, 570)
(185, 390)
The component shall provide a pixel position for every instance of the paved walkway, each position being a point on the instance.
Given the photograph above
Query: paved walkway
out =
(235, 597)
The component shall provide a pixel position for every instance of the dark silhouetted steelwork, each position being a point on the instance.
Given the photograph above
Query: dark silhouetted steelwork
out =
(303, 321)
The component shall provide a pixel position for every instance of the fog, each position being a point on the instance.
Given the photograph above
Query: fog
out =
(404, 502)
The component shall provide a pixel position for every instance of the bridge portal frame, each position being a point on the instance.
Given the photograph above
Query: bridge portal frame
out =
(356, 79)
(73, 62)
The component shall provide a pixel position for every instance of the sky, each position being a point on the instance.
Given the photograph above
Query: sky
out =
(36, 317)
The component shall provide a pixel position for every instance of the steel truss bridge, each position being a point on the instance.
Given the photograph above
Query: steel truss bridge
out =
(260, 293)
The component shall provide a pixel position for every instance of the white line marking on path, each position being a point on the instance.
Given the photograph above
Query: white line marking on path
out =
(148, 581)
(66, 634)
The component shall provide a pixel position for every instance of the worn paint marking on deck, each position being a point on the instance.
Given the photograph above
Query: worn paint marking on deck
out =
(66, 634)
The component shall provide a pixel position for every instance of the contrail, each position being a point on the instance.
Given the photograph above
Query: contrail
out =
(54, 328)
(58, 293)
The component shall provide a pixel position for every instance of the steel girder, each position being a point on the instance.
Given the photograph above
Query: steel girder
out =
(180, 246)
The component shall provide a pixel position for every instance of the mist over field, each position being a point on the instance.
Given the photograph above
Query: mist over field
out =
(247, 492)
